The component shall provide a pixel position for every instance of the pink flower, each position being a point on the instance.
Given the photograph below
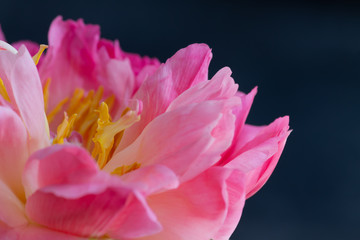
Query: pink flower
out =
(144, 151)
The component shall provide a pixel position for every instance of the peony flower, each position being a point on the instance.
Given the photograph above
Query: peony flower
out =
(99, 143)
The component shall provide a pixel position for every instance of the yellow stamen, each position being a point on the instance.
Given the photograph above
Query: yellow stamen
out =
(126, 169)
(57, 109)
(46, 94)
(106, 131)
(3, 91)
(37, 56)
(91, 116)
(110, 101)
(75, 100)
(100, 135)
(64, 129)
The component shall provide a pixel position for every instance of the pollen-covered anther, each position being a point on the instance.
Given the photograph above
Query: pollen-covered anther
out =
(64, 129)
(106, 131)
(126, 169)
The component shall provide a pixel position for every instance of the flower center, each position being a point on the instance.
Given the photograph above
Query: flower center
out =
(90, 124)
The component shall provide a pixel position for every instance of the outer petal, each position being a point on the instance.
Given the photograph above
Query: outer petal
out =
(135, 220)
(58, 164)
(258, 152)
(188, 140)
(235, 189)
(23, 85)
(13, 150)
(83, 209)
(72, 196)
(221, 86)
(195, 210)
(186, 68)
(241, 112)
(31, 232)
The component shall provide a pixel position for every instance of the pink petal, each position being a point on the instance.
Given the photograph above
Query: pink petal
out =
(12, 210)
(186, 68)
(82, 209)
(136, 220)
(138, 62)
(117, 76)
(221, 86)
(32, 232)
(146, 72)
(23, 85)
(93, 209)
(241, 112)
(58, 164)
(78, 58)
(195, 210)
(152, 179)
(258, 152)
(69, 194)
(112, 48)
(31, 46)
(13, 150)
(236, 198)
(70, 61)
(187, 140)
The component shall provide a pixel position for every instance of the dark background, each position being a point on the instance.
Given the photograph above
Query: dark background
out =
(305, 58)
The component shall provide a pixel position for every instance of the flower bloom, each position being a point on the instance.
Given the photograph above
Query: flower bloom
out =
(100, 143)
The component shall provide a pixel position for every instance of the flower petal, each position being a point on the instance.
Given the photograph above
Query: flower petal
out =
(81, 209)
(118, 77)
(70, 61)
(13, 150)
(12, 211)
(31, 46)
(31, 232)
(258, 152)
(187, 140)
(221, 86)
(235, 189)
(78, 58)
(195, 210)
(68, 193)
(23, 86)
(186, 68)
(136, 220)
(241, 112)
(137, 62)
(58, 164)
(151, 179)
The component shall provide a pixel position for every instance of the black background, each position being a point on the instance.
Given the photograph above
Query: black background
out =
(305, 58)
